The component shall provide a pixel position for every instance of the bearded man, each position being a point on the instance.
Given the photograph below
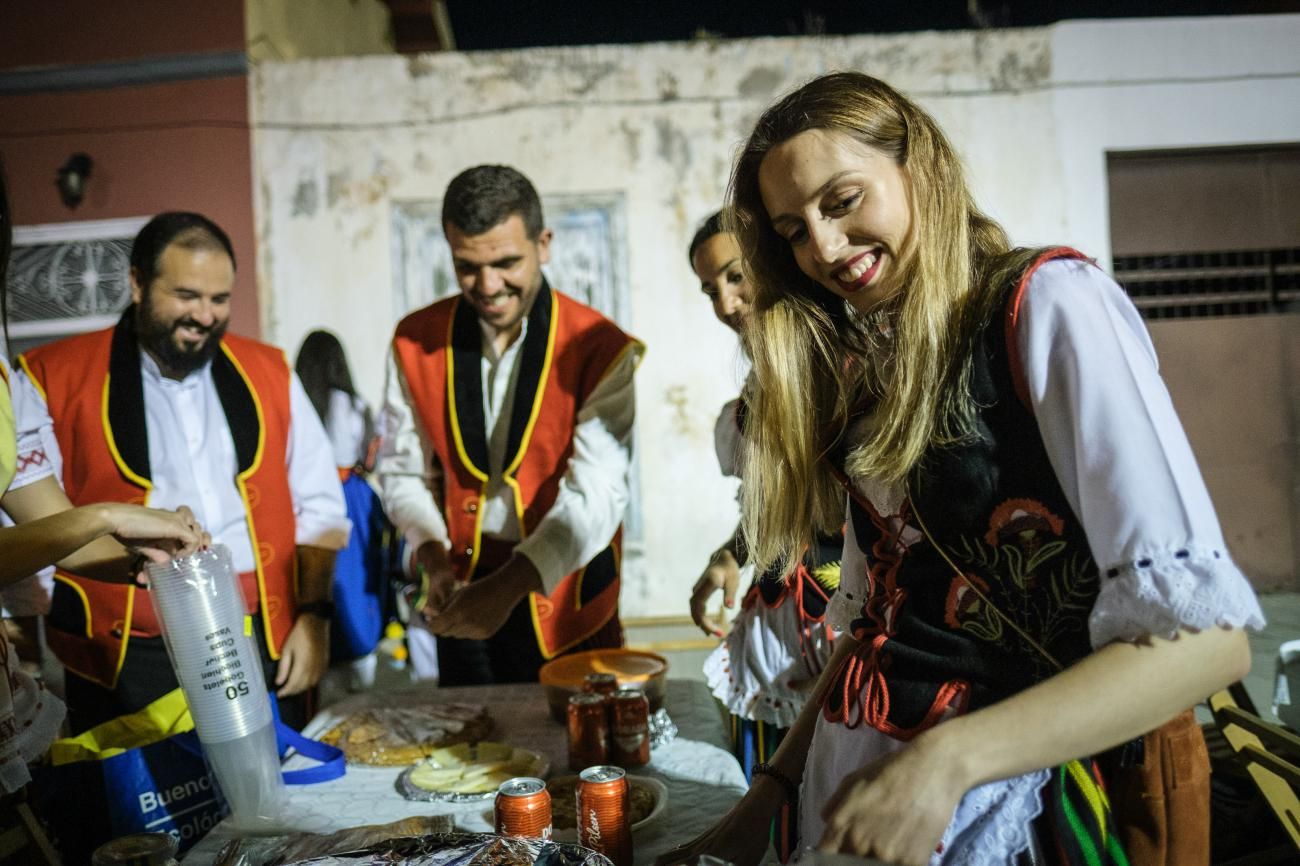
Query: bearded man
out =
(166, 409)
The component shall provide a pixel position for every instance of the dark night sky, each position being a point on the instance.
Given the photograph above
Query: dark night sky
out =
(485, 24)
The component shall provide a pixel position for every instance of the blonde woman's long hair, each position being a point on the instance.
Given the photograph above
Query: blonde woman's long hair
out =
(813, 356)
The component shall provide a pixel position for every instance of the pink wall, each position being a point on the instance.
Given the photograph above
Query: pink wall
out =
(92, 31)
(173, 146)
(163, 147)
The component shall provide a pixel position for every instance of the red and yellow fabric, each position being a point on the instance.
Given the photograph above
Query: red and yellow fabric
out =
(8, 442)
(568, 348)
(92, 386)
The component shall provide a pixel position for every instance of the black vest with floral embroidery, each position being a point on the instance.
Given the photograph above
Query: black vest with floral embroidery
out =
(930, 644)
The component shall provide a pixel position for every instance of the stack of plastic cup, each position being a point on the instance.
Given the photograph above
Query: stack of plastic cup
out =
(200, 608)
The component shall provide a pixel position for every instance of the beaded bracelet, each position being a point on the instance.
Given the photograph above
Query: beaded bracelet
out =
(791, 789)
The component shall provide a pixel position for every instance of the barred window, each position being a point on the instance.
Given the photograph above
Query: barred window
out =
(1212, 284)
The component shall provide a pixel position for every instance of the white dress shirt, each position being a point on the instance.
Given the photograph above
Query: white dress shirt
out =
(192, 459)
(593, 494)
(345, 424)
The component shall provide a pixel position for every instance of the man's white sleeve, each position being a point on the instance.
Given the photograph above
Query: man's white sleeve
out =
(593, 494)
(408, 474)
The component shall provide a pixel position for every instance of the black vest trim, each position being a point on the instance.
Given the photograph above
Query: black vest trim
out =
(533, 362)
(126, 411)
(467, 352)
(125, 414)
(237, 402)
(467, 387)
(598, 575)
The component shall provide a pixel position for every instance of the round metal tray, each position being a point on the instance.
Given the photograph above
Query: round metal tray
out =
(411, 791)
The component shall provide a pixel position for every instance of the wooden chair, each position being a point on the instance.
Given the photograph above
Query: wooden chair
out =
(1270, 755)
(21, 838)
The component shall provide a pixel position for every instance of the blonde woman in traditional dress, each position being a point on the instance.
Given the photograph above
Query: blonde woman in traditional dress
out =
(1033, 571)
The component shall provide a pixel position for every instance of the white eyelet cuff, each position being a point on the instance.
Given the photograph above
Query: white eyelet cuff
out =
(1159, 593)
(993, 823)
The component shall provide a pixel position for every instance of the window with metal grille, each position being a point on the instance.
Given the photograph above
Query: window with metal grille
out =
(1211, 284)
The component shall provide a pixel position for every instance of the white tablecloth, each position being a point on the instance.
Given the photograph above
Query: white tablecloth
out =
(702, 776)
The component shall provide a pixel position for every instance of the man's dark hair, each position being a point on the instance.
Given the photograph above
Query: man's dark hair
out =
(190, 231)
(485, 196)
(711, 226)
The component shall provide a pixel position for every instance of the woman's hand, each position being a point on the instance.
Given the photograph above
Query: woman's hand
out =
(741, 837)
(89, 539)
(723, 573)
(157, 535)
(897, 808)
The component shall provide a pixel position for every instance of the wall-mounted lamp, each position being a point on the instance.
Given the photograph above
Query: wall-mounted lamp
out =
(72, 179)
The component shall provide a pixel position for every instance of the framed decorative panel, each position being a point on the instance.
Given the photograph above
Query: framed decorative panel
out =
(68, 278)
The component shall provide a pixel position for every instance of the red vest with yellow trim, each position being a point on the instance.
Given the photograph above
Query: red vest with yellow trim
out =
(92, 385)
(567, 350)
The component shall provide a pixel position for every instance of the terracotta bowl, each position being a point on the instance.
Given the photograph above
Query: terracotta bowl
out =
(563, 677)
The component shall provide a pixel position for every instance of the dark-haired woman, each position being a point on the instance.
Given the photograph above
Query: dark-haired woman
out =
(360, 580)
(1033, 571)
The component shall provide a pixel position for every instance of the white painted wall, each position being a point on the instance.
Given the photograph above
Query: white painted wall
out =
(337, 141)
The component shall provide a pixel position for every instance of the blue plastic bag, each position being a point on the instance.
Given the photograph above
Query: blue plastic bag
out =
(145, 773)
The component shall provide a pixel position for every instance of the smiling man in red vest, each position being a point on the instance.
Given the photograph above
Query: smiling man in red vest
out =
(508, 432)
(167, 409)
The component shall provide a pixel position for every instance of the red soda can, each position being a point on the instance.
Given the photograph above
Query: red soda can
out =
(601, 684)
(629, 720)
(588, 731)
(604, 810)
(523, 809)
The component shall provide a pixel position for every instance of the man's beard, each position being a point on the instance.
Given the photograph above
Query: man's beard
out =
(158, 337)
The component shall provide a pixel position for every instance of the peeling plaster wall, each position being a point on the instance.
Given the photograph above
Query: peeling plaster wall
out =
(338, 141)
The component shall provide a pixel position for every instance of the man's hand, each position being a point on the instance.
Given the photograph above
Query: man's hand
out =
(306, 651)
(479, 609)
(723, 573)
(304, 656)
(438, 579)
